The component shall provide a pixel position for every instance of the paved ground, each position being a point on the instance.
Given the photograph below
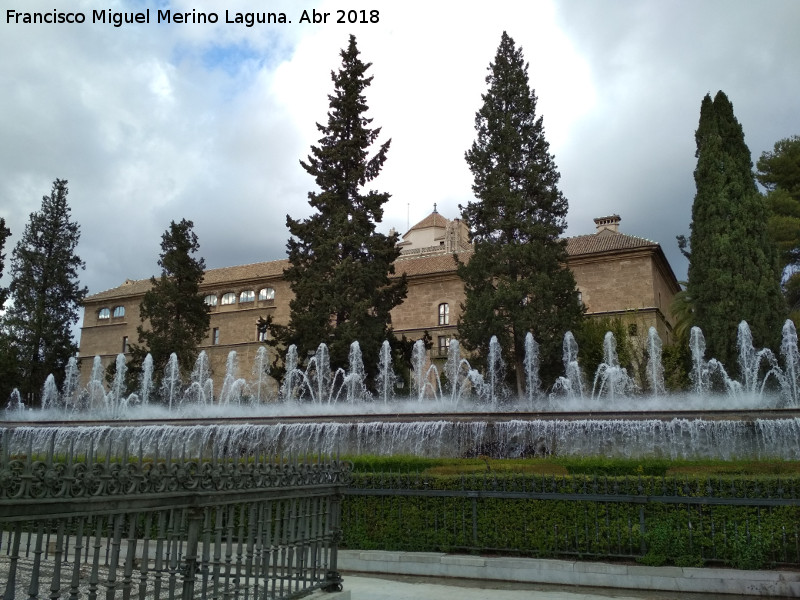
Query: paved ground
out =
(427, 588)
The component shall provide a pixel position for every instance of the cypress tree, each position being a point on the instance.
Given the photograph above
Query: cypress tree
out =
(733, 268)
(176, 315)
(516, 280)
(339, 265)
(45, 291)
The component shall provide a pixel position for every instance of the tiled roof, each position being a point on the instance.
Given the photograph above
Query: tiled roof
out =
(432, 220)
(428, 264)
(412, 265)
(260, 270)
(272, 268)
(607, 242)
(129, 288)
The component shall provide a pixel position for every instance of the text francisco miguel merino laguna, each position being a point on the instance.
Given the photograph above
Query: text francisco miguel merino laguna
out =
(118, 19)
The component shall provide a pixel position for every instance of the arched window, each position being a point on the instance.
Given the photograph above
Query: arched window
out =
(229, 298)
(444, 314)
(247, 296)
(210, 300)
(119, 311)
(266, 294)
(104, 313)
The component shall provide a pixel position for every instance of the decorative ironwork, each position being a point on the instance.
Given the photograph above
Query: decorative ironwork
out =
(70, 476)
(167, 525)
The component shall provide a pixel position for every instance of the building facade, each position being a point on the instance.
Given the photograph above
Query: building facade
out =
(617, 275)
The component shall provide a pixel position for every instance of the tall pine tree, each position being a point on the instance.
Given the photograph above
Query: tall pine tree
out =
(733, 267)
(339, 265)
(516, 280)
(176, 316)
(45, 292)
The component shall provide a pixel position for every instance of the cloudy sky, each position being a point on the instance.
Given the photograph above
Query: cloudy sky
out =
(158, 122)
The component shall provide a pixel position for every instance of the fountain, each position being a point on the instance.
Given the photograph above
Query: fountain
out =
(531, 365)
(201, 386)
(462, 413)
(791, 360)
(655, 369)
(260, 378)
(611, 379)
(72, 378)
(570, 384)
(387, 380)
(233, 387)
(171, 383)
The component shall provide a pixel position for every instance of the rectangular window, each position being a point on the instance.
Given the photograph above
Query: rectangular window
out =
(215, 336)
(444, 344)
(444, 314)
(261, 334)
(124, 344)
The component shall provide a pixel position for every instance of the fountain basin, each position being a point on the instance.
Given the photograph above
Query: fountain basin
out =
(728, 434)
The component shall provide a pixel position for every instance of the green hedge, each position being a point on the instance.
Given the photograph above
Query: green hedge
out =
(681, 534)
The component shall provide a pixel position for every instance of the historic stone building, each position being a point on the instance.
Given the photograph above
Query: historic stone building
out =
(617, 275)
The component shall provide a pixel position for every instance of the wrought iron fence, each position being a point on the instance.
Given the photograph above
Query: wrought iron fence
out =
(657, 520)
(167, 526)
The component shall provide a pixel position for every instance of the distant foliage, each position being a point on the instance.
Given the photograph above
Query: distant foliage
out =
(515, 281)
(174, 316)
(5, 232)
(779, 172)
(590, 337)
(45, 292)
(8, 361)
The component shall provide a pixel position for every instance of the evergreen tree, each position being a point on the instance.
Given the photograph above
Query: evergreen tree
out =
(45, 292)
(733, 268)
(339, 265)
(780, 169)
(779, 173)
(176, 316)
(4, 233)
(516, 280)
(9, 372)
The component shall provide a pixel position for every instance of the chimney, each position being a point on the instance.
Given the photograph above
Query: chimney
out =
(610, 223)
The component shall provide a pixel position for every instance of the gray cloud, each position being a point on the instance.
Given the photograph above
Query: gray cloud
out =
(158, 123)
(651, 63)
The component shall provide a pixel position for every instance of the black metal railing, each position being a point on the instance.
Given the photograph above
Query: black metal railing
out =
(165, 526)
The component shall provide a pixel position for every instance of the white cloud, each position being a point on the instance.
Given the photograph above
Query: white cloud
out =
(152, 123)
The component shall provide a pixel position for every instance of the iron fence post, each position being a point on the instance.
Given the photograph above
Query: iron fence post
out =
(190, 558)
(333, 579)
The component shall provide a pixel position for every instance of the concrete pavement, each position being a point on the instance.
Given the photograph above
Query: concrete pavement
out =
(361, 587)
(638, 581)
